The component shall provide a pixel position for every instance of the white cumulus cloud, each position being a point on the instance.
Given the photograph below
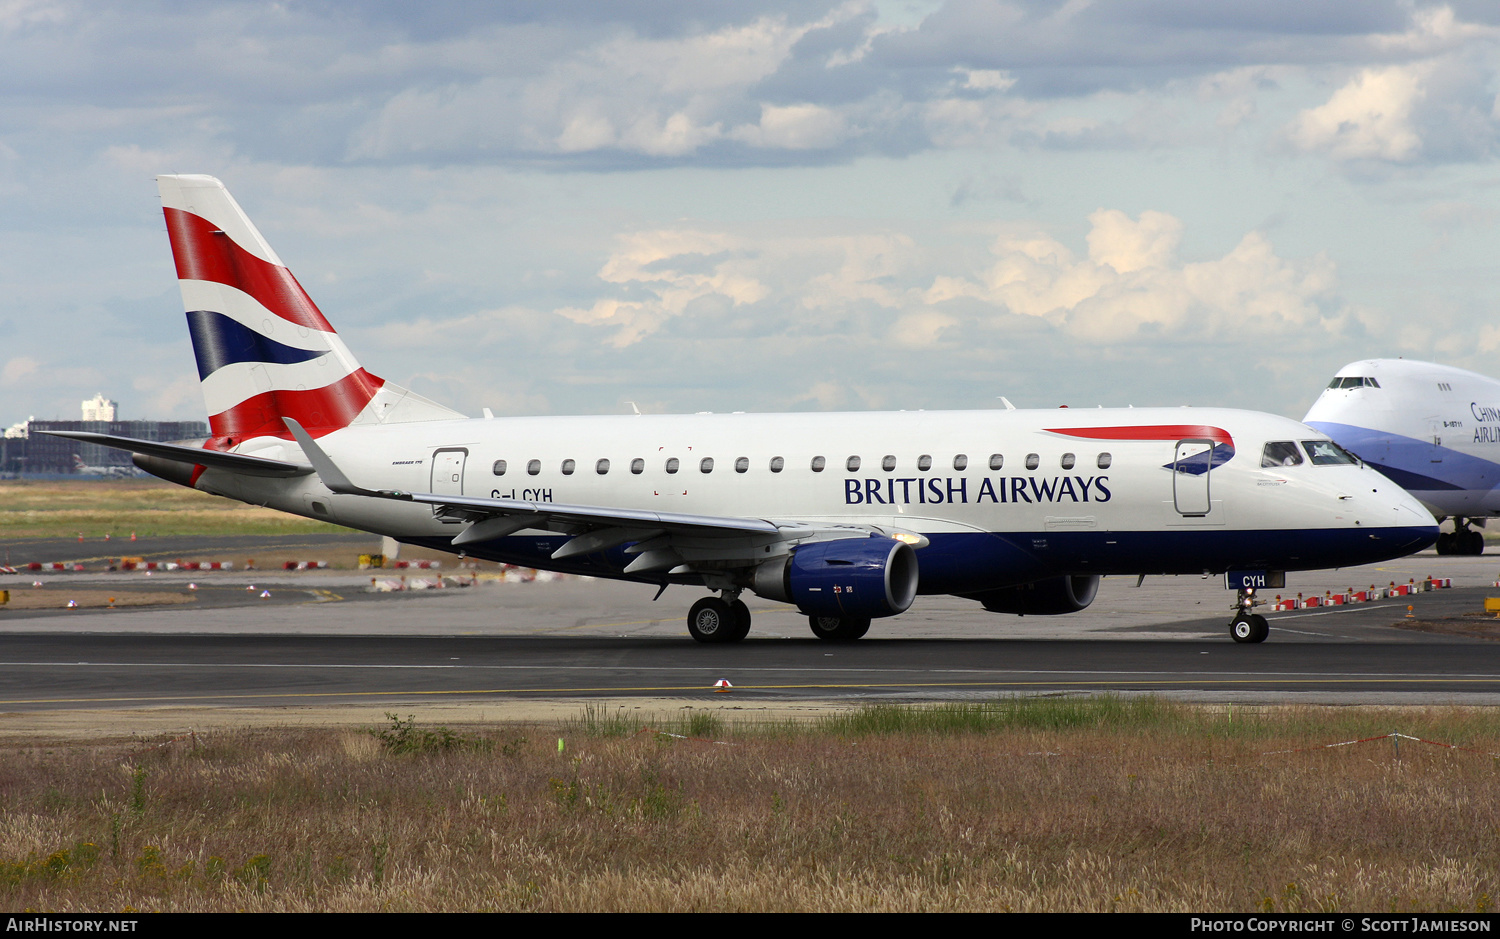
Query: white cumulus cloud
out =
(1369, 118)
(1133, 281)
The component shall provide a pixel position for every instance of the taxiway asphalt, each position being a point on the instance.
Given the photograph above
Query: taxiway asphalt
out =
(321, 639)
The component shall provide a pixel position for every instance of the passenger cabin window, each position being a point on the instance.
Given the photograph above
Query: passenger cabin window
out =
(672, 464)
(742, 464)
(1033, 461)
(997, 461)
(852, 464)
(888, 463)
(1327, 453)
(1280, 453)
(637, 466)
(533, 466)
(499, 468)
(569, 466)
(1069, 461)
(961, 462)
(777, 464)
(1104, 460)
(818, 463)
(924, 462)
(601, 467)
(706, 465)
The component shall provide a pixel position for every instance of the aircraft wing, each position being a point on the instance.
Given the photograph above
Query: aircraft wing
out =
(662, 540)
(238, 462)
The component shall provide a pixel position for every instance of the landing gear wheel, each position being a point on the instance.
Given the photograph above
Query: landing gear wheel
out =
(1445, 542)
(1474, 542)
(839, 628)
(713, 620)
(741, 620)
(1249, 627)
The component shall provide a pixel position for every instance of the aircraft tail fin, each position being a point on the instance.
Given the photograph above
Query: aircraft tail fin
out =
(264, 350)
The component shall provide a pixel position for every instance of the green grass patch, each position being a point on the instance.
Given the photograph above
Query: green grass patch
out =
(403, 737)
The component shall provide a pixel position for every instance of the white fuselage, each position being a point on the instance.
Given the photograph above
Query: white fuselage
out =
(1432, 428)
(1103, 496)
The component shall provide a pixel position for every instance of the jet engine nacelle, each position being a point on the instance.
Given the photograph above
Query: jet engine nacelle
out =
(870, 577)
(1067, 594)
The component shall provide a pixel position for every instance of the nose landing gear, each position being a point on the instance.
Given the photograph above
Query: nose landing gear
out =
(1247, 625)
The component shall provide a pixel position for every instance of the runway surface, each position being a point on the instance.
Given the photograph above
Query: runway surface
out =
(320, 639)
(144, 671)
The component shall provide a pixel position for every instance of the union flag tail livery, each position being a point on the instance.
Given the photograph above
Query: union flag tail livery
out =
(847, 517)
(264, 350)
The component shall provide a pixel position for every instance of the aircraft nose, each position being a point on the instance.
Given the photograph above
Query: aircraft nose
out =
(1407, 513)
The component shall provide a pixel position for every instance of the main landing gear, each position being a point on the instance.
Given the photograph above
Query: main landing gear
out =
(1461, 540)
(725, 618)
(839, 628)
(1247, 625)
(719, 619)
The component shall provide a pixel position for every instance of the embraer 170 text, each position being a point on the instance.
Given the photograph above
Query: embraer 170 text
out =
(845, 516)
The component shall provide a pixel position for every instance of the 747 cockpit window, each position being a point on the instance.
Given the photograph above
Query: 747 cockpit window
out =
(1327, 453)
(1354, 381)
(1281, 453)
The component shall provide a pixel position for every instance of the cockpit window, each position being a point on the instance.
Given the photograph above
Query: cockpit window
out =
(1327, 453)
(1281, 453)
(1353, 381)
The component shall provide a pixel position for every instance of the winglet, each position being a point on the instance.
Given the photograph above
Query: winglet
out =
(327, 470)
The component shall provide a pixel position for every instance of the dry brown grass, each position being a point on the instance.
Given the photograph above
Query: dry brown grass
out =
(148, 507)
(1474, 626)
(1175, 808)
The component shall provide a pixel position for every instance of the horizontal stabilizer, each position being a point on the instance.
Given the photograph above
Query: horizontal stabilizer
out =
(237, 462)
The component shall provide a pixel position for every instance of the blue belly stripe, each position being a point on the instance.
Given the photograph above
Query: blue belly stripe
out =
(970, 562)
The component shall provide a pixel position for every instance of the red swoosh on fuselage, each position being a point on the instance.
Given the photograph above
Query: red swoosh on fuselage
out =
(1148, 432)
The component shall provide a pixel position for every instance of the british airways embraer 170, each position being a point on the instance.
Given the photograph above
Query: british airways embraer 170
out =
(845, 516)
(1433, 429)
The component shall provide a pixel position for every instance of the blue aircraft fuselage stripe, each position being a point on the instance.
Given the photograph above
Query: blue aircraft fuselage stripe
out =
(219, 341)
(970, 562)
(1410, 463)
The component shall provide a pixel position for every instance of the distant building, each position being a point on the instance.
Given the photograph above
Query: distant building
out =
(25, 452)
(99, 408)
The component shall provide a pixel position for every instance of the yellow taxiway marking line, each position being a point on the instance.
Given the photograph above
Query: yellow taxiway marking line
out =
(742, 688)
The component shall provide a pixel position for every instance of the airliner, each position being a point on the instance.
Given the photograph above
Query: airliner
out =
(109, 472)
(1433, 429)
(846, 516)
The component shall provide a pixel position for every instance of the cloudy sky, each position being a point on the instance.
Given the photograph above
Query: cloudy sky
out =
(564, 206)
